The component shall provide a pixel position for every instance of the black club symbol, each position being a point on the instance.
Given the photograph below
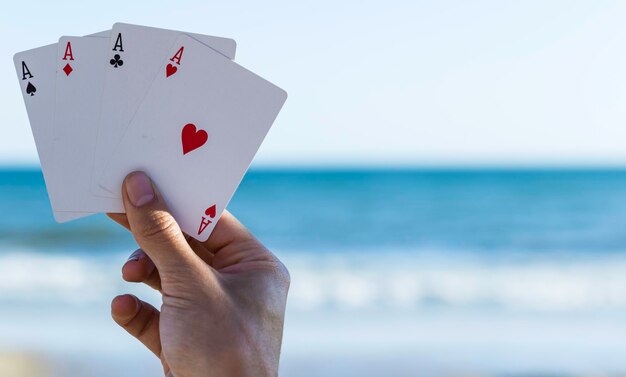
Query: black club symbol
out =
(116, 61)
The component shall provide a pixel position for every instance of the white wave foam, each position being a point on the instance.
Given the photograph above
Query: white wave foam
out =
(403, 282)
(27, 277)
(367, 281)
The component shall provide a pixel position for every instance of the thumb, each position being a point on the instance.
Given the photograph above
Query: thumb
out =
(153, 227)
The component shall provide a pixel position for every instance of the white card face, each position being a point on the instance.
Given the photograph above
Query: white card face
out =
(79, 84)
(196, 133)
(134, 57)
(36, 72)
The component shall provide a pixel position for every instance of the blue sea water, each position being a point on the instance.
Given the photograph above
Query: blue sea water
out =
(490, 212)
(393, 271)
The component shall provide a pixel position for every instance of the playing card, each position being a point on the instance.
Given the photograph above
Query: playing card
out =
(133, 59)
(79, 84)
(197, 130)
(36, 73)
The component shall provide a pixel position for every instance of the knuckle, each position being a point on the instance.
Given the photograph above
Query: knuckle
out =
(159, 225)
(143, 328)
(283, 274)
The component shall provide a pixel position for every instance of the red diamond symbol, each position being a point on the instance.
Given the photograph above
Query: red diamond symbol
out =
(67, 69)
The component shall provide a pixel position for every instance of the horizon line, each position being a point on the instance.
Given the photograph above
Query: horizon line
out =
(396, 167)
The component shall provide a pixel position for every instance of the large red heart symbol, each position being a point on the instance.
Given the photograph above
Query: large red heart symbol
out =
(170, 70)
(192, 138)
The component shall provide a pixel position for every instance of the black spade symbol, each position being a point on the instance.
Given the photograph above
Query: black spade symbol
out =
(30, 89)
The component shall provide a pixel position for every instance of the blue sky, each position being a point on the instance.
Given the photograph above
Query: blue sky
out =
(395, 82)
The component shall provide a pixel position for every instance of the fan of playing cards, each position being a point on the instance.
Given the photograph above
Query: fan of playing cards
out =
(136, 98)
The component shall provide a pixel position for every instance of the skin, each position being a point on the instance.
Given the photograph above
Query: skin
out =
(223, 300)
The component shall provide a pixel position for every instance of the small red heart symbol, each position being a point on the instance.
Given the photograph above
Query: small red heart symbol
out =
(192, 138)
(170, 70)
(210, 211)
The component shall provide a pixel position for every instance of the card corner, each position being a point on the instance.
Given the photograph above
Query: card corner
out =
(16, 57)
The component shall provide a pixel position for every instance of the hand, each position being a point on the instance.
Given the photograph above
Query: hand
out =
(223, 300)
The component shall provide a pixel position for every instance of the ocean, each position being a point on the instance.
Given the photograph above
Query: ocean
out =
(395, 272)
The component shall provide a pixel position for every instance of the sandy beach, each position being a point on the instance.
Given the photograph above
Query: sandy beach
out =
(23, 364)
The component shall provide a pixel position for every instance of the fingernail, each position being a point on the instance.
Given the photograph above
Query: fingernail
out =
(139, 189)
(134, 256)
